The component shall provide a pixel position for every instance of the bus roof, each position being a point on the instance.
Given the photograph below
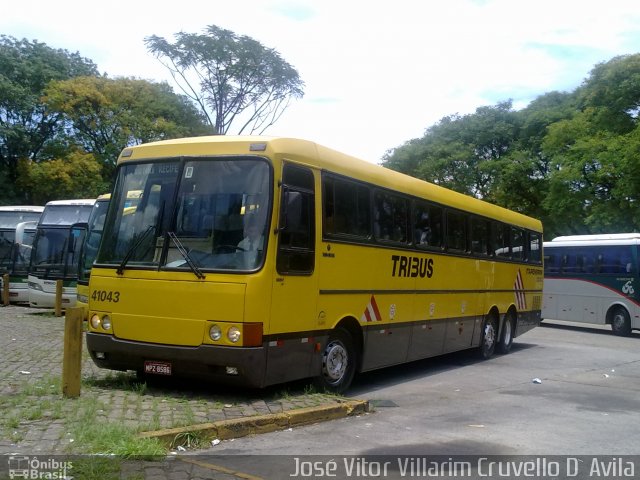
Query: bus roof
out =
(602, 239)
(318, 156)
(21, 208)
(595, 238)
(84, 201)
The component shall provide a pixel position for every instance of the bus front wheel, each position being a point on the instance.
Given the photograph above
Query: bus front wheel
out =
(489, 337)
(620, 322)
(338, 362)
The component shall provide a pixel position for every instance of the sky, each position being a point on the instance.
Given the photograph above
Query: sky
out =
(377, 73)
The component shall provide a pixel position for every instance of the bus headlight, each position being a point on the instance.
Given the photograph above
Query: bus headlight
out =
(215, 333)
(234, 334)
(95, 321)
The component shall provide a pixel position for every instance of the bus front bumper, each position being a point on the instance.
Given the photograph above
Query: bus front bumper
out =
(242, 366)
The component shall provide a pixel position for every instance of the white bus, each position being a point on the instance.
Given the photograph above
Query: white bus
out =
(12, 260)
(593, 279)
(54, 252)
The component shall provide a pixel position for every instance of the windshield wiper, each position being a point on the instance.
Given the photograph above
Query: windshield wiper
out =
(194, 268)
(133, 248)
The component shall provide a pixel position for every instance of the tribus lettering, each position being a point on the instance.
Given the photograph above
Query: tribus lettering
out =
(411, 266)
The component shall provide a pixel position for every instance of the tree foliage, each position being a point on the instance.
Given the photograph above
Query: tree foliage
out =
(106, 115)
(27, 129)
(231, 78)
(570, 159)
(58, 114)
(78, 175)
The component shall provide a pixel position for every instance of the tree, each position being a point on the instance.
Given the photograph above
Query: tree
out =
(460, 152)
(568, 158)
(27, 129)
(78, 175)
(593, 180)
(106, 115)
(231, 78)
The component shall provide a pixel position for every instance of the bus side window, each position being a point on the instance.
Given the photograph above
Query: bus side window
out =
(391, 217)
(479, 236)
(457, 231)
(517, 243)
(427, 225)
(500, 240)
(346, 208)
(535, 247)
(599, 263)
(551, 264)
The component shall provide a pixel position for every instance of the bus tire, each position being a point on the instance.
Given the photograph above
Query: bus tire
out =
(506, 336)
(489, 337)
(338, 363)
(620, 322)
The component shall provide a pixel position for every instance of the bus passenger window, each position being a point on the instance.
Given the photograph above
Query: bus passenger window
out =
(500, 240)
(427, 225)
(346, 208)
(517, 243)
(390, 218)
(479, 236)
(535, 247)
(456, 231)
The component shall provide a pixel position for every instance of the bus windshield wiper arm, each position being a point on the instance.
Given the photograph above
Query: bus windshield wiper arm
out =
(194, 268)
(133, 248)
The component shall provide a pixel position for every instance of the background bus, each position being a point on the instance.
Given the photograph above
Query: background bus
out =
(12, 257)
(257, 261)
(593, 279)
(54, 252)
(91, 232)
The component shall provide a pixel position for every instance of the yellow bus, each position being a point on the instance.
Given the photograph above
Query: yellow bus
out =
(90, 233)
(259, 260)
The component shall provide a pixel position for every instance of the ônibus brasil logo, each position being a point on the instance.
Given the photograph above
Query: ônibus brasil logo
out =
(33, 467)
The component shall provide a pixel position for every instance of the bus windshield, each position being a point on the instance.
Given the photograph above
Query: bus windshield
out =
(53, 255)
(199, 214)
(55, 249)
(9, 220)
(92, 240)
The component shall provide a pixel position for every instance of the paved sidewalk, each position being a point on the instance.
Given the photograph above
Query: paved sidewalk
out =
(36, 419)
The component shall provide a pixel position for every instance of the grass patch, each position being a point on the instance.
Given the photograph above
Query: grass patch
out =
(116, 439)
(97, 467)
(117, 381)
(188, 440)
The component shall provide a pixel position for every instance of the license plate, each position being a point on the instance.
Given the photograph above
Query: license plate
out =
(157, 368)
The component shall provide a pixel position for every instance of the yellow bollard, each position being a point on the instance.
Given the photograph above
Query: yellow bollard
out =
(5, 289)
(72, 356)
(58, 298)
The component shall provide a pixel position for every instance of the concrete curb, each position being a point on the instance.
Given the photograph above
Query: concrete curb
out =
(240, 427)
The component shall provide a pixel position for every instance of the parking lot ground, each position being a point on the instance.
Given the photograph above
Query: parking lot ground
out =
(36, 419)
(564, 390)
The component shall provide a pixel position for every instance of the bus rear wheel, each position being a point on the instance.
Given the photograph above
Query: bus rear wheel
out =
(506, 336)
(489, 337)
(620, 322)
(338, 363)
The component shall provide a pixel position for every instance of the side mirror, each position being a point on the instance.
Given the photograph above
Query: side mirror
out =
(291, 211)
